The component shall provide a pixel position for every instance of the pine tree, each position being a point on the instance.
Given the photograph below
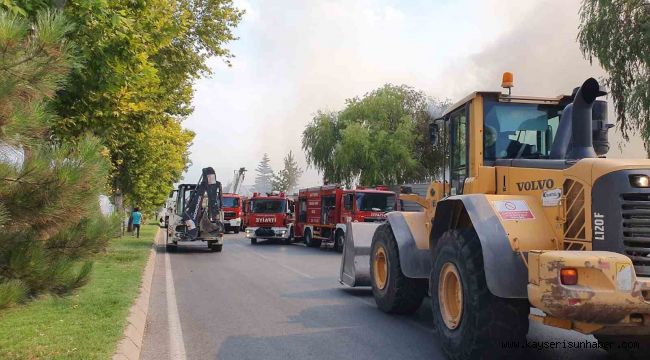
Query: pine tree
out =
(264, 175)
(49, 189)
(287, 179)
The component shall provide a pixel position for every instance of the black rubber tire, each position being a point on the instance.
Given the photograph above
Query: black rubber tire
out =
(216, 247)
(309, 239)
(253, 241)
(486, 320)
(401, 295)
(339, 239)
(620, 346)
(236, 231)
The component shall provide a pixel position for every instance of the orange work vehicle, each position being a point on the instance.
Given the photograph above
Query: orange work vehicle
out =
(269, 216)
(324, 211)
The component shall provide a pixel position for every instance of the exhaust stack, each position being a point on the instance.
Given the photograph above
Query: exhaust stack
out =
(581, 124)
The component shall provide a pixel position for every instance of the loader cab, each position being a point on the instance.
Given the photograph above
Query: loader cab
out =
(183, 196)
(488, 129)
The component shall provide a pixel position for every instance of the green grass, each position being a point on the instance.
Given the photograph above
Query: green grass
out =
(87, 324)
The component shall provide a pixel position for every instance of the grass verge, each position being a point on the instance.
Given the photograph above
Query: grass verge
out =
(87, 324)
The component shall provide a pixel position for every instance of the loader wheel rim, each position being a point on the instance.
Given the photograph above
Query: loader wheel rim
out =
(380, 267)
(450, 295)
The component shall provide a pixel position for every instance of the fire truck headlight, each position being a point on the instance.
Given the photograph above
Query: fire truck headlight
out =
(639, 181)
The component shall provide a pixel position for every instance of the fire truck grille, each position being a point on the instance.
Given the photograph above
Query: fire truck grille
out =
(635, 209)
(264, 232)
(229, 214)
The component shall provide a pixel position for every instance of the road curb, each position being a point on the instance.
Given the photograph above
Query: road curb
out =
(130, 346)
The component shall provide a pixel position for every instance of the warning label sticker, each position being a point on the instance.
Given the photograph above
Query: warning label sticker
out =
(513, 210)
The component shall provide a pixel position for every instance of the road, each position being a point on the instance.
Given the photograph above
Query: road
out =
(272, 301)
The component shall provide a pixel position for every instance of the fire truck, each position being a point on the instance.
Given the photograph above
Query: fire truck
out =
(324, 211)
(269, 216)
(232, 212)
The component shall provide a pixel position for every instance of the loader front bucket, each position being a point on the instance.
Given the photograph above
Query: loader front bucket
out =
(355, 262)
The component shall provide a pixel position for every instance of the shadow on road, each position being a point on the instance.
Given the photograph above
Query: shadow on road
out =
(183, 249)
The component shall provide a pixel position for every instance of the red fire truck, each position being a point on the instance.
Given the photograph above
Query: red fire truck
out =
(232, 213)
(269, 216)
(324, 211)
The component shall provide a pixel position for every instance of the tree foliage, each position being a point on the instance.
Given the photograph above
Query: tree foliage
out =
(138, 62)
(377, 139)
(264, 177)
(286, 179)
(617, 33)
(49, 190)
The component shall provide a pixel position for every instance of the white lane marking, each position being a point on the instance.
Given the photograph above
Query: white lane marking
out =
(294, 270)
(176, 344)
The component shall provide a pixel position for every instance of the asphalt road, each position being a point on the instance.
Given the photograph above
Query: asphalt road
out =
(272, 301)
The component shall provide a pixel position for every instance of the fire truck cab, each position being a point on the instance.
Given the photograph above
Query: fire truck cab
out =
(324, 211)
(232, 212)
(269, 216)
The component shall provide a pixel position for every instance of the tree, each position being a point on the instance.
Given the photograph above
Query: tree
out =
(377, 139)
(286, 179)
(49, 189)
(264, 175)
(617, 33)
(138, 63)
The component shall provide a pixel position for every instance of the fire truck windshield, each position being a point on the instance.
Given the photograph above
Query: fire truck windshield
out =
(375, 202)
(268, 206)
(230, 201)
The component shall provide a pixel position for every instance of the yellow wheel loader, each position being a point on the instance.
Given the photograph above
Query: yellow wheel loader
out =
(529, 213)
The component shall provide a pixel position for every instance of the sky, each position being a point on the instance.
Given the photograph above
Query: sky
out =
(295, 57)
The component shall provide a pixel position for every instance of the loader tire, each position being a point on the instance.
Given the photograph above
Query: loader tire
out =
(394, 293)
(469, 320)
(629, 347)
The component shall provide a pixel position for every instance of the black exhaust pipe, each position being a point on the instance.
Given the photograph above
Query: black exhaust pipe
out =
(581, 125)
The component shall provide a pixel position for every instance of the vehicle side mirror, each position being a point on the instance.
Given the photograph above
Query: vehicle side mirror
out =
(433, 133)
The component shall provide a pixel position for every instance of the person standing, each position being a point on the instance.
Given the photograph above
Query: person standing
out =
(136, 215)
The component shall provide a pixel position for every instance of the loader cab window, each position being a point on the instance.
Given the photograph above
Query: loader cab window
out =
(184, 196)
(519, 131)
(458, 164)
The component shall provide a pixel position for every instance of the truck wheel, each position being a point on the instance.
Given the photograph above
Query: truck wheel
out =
(309, 239)
(339, 238)
(236, 231)
(625, 346)
(393, 292)
(469, 320)
(289, 240)
(216, 247)
(253, 241)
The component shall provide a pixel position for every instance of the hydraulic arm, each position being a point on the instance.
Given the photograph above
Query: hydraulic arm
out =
(204, 207)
